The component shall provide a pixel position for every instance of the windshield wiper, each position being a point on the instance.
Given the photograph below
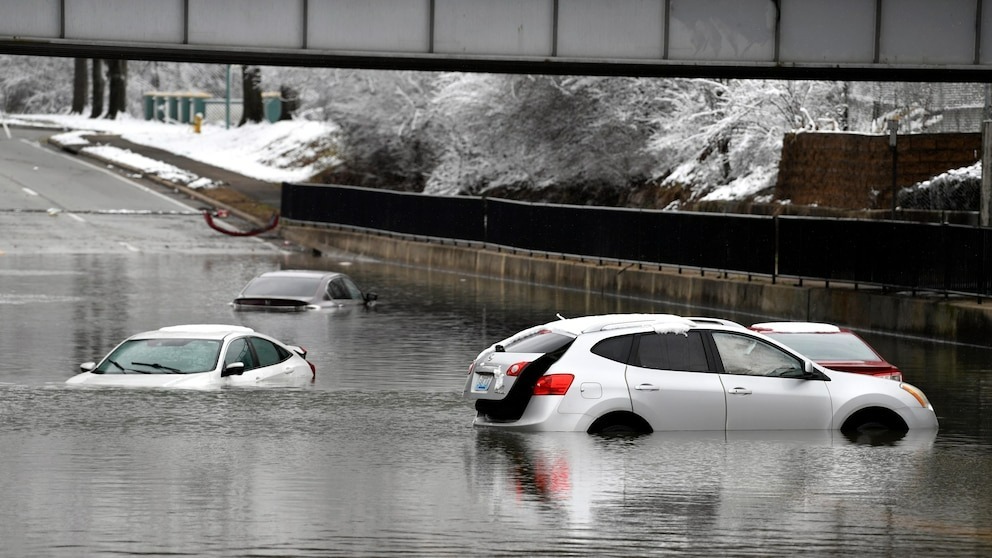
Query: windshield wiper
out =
(156, 366)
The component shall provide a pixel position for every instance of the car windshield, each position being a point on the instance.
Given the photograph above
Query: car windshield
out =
(283, 286)
(162, 356)
(827, 346)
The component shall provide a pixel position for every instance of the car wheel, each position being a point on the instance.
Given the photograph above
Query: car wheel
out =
(874, 420)
(620, 423)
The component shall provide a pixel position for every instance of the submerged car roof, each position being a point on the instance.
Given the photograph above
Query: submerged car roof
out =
(299, 273)
(202, 331)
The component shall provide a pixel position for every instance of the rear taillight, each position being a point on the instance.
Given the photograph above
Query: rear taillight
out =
(516, 368)
(553, 384)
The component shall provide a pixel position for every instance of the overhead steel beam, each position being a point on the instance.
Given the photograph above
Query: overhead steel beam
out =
(905, 40)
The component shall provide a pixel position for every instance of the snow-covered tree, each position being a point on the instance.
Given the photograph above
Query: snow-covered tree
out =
(532, 133)
(720, 134)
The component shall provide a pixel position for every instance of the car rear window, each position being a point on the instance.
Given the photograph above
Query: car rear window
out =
(826, 346)
(544, 341)
(283, 286)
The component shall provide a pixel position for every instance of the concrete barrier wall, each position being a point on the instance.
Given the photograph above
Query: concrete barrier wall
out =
(954, 320)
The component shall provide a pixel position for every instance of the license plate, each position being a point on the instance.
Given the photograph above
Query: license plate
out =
(482, 382)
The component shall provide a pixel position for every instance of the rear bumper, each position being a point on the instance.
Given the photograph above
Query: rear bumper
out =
(541, 415)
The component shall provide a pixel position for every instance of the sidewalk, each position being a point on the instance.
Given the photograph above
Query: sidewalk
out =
(250, 199)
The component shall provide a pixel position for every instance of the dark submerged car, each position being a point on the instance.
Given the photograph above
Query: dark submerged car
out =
(300, 290)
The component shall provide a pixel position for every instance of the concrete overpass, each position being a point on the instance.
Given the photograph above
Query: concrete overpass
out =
(904, 40)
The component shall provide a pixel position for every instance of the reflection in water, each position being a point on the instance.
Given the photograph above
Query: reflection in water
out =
(378, 456)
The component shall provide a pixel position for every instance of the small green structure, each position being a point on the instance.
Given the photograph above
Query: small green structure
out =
(181, 107)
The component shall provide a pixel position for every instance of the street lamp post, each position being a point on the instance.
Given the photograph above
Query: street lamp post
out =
(893, 128)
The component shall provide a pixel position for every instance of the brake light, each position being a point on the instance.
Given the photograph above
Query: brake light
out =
(516, 368)
(553, 384)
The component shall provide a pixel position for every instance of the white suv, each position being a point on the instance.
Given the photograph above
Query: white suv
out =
(647, 372)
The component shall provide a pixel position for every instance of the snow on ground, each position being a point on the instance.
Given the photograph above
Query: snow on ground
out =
(285, 151)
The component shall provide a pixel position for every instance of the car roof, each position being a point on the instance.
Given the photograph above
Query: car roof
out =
(202, 331)
(796, 327)
(300, 273)
(662, 323)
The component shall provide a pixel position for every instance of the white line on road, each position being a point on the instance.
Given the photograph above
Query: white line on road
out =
(115, 175)
(29, 191)
(77, 217)
(129, 246)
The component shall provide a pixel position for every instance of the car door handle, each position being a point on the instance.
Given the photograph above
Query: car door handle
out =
(646, 387)
(740, 391)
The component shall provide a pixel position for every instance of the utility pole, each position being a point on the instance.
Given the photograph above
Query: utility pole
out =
(893, 129)
(985, 197)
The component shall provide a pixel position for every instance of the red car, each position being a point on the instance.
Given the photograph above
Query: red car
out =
(834, 347)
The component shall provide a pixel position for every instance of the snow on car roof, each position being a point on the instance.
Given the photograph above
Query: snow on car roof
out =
(218, 330)
(796, 327)
(663, 323)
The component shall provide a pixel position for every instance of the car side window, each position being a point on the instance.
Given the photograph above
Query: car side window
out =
(268, 352)
(671, 351)
(352, 289)
(238, 351)
(336, 290)
(743, 354)
(614, 348)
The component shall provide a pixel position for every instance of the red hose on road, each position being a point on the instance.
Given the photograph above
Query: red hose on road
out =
(273, 223)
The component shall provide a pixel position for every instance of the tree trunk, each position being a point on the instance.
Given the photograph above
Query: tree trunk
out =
(117, 70)
(97, 74)
(80, 83)
(251, 87)
(290, 100)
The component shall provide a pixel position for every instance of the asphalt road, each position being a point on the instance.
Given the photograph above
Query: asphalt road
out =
(52, 202)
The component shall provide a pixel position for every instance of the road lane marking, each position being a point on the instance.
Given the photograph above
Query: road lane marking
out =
(76, 217)
(29, 191)
(129, 246)
(111, 173)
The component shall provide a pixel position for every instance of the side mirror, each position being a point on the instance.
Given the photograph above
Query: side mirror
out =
(233, 369)
(370, 297)
(811, 373)
(87, 366)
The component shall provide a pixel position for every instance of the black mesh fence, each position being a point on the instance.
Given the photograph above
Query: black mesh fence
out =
(898, 254)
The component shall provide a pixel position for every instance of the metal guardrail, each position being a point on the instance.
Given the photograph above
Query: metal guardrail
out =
(897, 255)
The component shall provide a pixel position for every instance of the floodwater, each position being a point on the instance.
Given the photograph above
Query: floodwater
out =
(378, 457)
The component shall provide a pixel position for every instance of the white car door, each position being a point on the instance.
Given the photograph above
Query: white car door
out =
(264, 362)
(760, 395)
(671, 385)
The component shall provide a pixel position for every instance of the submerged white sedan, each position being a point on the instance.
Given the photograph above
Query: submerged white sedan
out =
(199, 356)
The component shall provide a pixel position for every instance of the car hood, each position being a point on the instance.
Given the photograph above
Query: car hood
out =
(190, 381)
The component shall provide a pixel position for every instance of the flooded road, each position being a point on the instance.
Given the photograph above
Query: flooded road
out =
(378, 456)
